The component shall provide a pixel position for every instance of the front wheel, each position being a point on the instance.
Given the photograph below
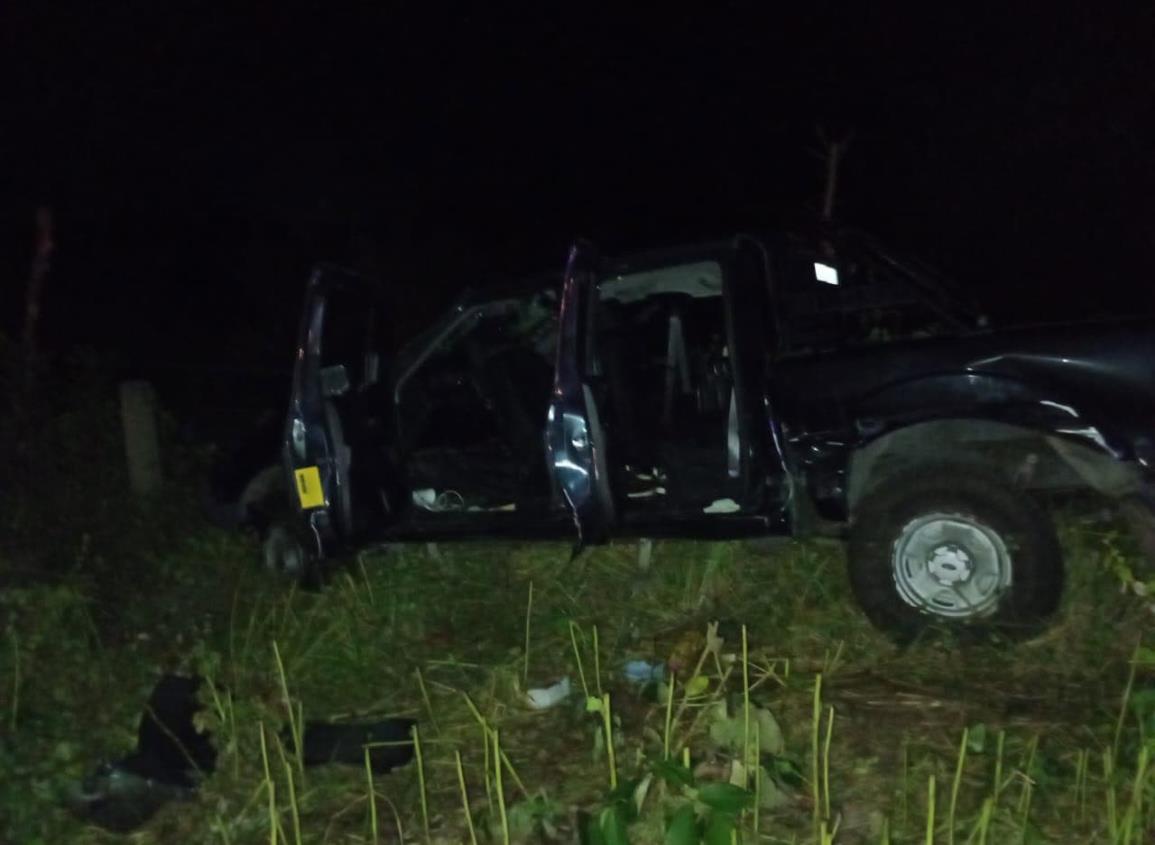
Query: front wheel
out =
(288, 556)
(948, 546)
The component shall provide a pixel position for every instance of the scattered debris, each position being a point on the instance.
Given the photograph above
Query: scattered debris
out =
(120, 800)
(430, 500)
(643, 672)
(645, 484)
(722, 506)
(390, 743)
(511, 506)
(647, 494)
(172, 757)
(450, 500)
(545, 697)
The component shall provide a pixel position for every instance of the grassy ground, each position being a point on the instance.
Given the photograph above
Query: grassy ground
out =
(834, 734)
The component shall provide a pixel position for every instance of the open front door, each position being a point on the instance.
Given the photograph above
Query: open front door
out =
(575, 441)
(336, 385)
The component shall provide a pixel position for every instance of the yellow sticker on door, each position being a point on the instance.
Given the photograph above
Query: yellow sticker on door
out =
(309, 487)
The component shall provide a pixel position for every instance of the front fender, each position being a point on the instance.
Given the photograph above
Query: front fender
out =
(1050, 409)
(928, 417)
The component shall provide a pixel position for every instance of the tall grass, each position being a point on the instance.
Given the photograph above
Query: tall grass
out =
(393, 640)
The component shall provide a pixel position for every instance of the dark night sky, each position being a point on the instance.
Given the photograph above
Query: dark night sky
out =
(200, 157)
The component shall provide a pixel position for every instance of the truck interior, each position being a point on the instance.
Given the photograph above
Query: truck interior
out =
(469, 414)
(471, 411)
(661, 374)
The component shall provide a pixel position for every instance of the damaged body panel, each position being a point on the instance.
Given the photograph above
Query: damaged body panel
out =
(1078, 395)
(788, 385)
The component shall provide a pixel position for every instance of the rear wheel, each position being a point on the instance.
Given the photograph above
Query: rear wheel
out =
(951, 546)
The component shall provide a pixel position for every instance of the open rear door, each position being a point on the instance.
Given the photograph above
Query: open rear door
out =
(335, 385)
(575, 441)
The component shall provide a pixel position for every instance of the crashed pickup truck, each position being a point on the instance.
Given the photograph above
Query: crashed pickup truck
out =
(790, 385)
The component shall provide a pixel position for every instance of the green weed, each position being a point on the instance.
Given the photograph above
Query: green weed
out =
(1046, 742)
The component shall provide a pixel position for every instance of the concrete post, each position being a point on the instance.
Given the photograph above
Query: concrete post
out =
(141, 445)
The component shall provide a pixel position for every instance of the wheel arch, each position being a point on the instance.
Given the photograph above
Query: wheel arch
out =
(1031, 458)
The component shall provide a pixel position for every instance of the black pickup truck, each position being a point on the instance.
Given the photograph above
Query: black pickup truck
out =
(792, 385)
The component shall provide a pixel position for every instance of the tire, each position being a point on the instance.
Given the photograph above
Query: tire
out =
(288, 557)
(950, 547)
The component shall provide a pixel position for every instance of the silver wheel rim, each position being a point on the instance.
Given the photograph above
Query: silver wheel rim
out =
(951, 565)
